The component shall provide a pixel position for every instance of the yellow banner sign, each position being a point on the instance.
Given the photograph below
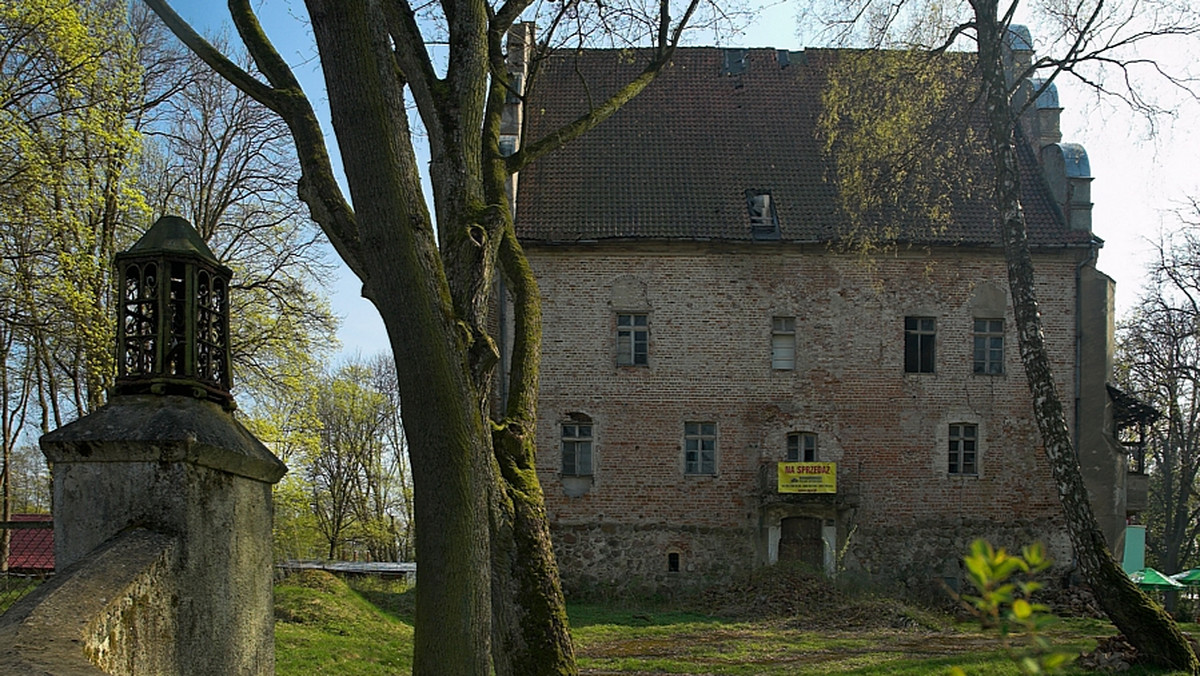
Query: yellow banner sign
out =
(808, 477)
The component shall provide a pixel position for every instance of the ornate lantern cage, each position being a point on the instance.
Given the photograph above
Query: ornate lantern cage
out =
(173, 330)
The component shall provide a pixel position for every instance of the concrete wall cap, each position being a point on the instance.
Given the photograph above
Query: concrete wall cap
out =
(151, 428)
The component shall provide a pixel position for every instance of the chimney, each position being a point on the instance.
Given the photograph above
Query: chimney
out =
(1069, 177)
(1045, 115)
(520, 52)
(1018, 52)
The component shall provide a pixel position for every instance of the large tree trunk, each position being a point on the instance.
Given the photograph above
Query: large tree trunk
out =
(402, 275)
(1145, 624)
(530, 632)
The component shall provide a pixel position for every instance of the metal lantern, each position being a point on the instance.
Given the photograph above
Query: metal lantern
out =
(173, 333)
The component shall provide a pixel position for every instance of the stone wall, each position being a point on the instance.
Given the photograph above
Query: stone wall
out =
(635, 558)
(112, 613)
(921, 558)
(710, 309)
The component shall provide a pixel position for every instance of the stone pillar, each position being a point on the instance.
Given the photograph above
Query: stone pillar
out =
(183, 466)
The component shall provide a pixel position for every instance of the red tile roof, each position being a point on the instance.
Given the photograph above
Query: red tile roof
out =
(675, 162)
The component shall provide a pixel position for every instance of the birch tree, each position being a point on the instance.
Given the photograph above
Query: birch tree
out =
(1085, 33)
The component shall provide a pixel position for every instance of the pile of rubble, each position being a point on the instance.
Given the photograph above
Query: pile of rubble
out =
(1112, 654)
(1073, 601)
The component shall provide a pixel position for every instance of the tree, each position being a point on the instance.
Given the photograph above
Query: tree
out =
(1159, 362)
(1090, 33)
(476, 496)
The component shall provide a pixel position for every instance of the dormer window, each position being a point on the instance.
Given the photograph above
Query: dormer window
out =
(764, 223)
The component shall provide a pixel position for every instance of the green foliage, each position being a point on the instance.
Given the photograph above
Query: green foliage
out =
(1005, 602)
(897, 131)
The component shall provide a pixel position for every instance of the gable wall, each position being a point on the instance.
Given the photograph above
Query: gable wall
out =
(710, 310)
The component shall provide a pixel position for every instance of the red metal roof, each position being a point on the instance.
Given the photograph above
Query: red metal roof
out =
(31, 550)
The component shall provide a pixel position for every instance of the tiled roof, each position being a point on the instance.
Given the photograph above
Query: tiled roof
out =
(675, 162)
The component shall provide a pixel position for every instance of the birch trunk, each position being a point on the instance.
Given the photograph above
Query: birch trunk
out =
(1145, 624)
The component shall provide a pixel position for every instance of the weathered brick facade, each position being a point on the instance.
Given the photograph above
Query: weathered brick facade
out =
(709, 309)
(681, 242)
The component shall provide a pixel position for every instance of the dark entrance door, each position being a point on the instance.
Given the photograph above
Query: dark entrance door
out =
(800, 540)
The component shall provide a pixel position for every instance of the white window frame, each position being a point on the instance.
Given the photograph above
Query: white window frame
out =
(700, 448)
(987, 347)
(802, 447)
(633, 332)
(577, 435)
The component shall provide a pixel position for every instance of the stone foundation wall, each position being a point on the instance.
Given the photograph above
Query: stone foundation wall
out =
(919, 559)
(620, 558)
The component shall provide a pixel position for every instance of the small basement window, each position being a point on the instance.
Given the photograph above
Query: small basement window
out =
(764, 222)
(673, 562)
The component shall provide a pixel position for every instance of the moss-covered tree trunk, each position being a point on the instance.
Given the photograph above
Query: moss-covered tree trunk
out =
(489, 595)
(1144, 622)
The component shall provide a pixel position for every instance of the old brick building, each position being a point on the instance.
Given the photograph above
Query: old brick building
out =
(700, 328)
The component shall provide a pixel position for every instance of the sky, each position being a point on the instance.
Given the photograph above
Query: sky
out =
(1139, 179)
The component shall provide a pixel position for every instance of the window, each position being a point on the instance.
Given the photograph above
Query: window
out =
(577, 447)
(963, 444)
(783, 343)
(764, 222)
(989, 346)
(700, 448)
(633, 334)
(802, 447)
(919, 333)
(673, 562)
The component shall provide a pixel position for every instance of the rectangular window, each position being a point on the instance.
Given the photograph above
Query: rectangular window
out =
(576, 449)
(919, 334)
(963, 440)
(989, 346)
(802, 447)
(783, 343)
(633, 339)
(700, 448)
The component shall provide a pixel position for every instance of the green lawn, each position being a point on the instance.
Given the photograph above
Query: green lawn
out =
(325, 626)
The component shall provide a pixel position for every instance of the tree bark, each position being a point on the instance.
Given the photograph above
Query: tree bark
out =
(1145, 624)
(403, 277)
(530, 632)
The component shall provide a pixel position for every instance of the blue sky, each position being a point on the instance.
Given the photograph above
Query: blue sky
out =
(1138, 179)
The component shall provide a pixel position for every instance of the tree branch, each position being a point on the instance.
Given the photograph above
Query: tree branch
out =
(317, 186)
(664, 50)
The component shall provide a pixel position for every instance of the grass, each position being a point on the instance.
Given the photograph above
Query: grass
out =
(14, 587)
(326, 626)
(322, 626)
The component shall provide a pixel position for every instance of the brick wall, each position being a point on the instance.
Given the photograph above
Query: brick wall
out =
(710, 308)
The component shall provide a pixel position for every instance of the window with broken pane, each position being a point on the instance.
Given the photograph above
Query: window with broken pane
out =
(633, 339)
(919, 336)
(700, 448)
